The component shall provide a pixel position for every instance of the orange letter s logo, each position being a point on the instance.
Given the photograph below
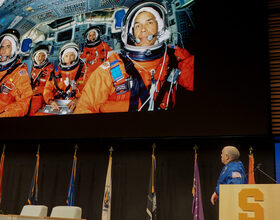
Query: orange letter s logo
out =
(251, 207)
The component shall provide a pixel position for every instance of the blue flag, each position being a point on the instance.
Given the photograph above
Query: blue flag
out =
(197, 207)
(33, 192)
(71, 190)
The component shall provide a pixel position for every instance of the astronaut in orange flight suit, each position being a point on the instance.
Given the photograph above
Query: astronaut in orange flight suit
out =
(95, 51)
(15, 88)
(68, 81)
(40, 74)
(143, 77)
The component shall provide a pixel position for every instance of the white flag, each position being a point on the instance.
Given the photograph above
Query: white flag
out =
(106, 206)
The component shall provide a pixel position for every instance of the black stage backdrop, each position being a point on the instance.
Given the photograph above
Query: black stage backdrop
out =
(130, 174)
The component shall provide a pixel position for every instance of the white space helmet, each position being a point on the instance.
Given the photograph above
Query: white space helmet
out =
(40, 49)
(66, 48)
(13, 36)
(154, 51)
(97, 36)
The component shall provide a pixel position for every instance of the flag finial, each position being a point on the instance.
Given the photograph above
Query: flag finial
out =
(250, 149)
(4, 148)
(154, 147)
(111, 150)
(38, 149)
(76, 148)
(195, 148)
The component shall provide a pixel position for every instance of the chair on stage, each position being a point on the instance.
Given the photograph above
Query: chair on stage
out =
(34, 210)
(66, 212)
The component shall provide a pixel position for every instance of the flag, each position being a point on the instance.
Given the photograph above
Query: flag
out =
(251, 174)
(152, 199)
(1, 172)
(71, 190)
(33, 192)
(106, 206)
(197, 207)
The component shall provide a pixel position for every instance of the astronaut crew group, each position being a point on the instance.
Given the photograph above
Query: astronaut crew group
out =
(21, 94)
(142, 77)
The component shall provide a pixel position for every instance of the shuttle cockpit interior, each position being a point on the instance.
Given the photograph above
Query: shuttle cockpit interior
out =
(55, 22)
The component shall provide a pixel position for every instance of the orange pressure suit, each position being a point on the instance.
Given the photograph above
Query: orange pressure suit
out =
(95, 56)
(16, 91)
(108, 91)
(39, 78)
(65, 84)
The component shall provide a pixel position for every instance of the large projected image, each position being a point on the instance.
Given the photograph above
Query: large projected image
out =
(110, 68)
(126, 58)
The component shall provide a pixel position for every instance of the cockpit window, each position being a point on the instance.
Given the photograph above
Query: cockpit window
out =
(59, 22)
(64, 35)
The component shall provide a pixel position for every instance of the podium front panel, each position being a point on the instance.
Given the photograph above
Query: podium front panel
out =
(249, 202)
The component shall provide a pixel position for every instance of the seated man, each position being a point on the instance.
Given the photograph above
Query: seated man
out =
(95, 51)
(144, 76)
(68, 82)
(41, 71)
(15, 88)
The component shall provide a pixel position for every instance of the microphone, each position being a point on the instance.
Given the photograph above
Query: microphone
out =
(264, 173)
(133, 38)
(137, 40)
(150, 37)
(258, 166)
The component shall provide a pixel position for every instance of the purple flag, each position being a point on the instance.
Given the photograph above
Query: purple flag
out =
(197, 207)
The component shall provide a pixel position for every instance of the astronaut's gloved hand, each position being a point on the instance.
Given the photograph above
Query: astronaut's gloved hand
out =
(54, 105)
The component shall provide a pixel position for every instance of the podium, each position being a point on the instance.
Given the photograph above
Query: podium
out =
(249, 202)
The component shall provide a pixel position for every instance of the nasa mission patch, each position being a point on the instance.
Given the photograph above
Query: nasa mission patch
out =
(22, 72)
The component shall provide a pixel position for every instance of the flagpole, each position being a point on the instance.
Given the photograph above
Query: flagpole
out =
(75, 158)
(1, 171)
(151, 197)
(106, 206)
(153, 167)
(37, 173)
